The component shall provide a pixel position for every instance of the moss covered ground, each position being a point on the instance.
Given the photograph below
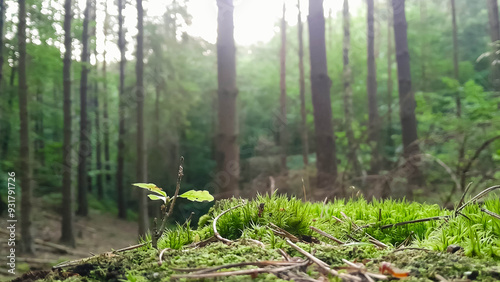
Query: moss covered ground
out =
(455, 247)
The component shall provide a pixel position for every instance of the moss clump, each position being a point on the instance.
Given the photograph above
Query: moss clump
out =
(477, 234)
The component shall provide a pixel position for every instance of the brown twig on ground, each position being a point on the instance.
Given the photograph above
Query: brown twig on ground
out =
(256, 242)
(256, 271)
(371, 239)
(323, 265)
(326, 235)
(477, 197)
(202, 243)
(160, 261)
(214, 224)
(131, 247)
(286, 256)
(490, 213)
(337, 219)
(415, 221)
(282, 232)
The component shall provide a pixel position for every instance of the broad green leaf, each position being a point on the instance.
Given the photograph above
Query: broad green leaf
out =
(198, 196)
(154, 197)
(151, 187)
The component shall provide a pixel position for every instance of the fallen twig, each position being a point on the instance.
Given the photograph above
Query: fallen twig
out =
(214, 224)
(490, 213)
(257, 242)
(477, 197)
(326, 235)
(282, 232)
(131, 247)
(415, 221)
(160, 261)
(323, 265)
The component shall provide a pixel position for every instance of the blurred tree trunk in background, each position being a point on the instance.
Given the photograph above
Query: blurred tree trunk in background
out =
(24, 148)
(455, 56)
(303, 113)
(373, 116)
(423, 48)
(67, 225)
(84, 145)
(141, 144)
(389, 143)
(122, 209)
(347, 78)
(227, 155)
(2, 19)
(406, 99)
(282, 124)
(326, 160)
(495, 37)
(106, 123)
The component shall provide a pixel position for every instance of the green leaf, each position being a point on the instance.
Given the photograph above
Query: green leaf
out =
(154, 197)
(151, 187)
(198, 196)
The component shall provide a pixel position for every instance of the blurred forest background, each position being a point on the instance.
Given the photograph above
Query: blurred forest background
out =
(97, 95)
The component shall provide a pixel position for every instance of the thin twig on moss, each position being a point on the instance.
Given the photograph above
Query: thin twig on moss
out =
(160, 262)
(478, 196)
(282, 232)
(415, 221)
(490, 213)
(214, 224)
(326, 235)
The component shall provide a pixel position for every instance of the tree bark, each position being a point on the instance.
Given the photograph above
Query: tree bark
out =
(24, 152)
(2, 19)
(84, 145)
(122, 209)
(107, 166)
(141, 145)
(495, 37)
(455, 56)
(373, 116)
(320, 88)
(351, 142)
(406, 98)
(302, 87)
(67, 224)
(283, 121)
(228, 158)
(389, 142)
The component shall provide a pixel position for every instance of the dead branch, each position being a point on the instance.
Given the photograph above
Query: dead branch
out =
(415, 221)
(131, 247)
(214, 224)
(282, 232)
(495, 215)
(477, 197)
(326, 235)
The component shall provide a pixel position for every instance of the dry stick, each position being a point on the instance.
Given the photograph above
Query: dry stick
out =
(370, 237)
(323, 265)
(415, 221)
(131, 247)
(214, 224)
(490, 213)
(285, 255)
(283, 232)
(239, 272)
(257, 242)
(463, 195)
(171, 207)
(326, 235)
(160, 262)
(478, 196)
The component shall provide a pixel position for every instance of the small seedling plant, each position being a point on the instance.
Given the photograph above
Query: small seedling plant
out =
(192, 195)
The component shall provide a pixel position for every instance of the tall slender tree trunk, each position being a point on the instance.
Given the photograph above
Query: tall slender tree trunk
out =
(423, 48)
(320, 88)
(67, 227)
(455, 56)
(351, 142)
(302, 94)
(406, 98)
(283, 121)
(141, 145)
(495, 37)
(107, 165)
(373, 116)
(24, 152)
(98, 145)
(228, 155)
(122, 209)
(84, 145)
(2, 19)
(39, 143)
(390, 142)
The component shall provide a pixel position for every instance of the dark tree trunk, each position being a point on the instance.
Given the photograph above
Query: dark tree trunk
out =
(423, 48)
(67, 227)
(389, 142)
(455, 56)
(351, 142)
(495, 37)
(39, 143)
(302, 86)
(373, 116)
(2, 17)
(98, 145)
(122, 209)
(107, 166)
(320, 88)
(228, 156)
(84, 145)
(24, 152)
(282, 118)
(141, 145)
(406, 98)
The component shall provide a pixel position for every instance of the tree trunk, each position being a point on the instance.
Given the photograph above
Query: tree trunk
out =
(141, 145)
(39, 143)
(455, 56)
(84, 145)
(283, 121)
(98, 146)
(495, 37)
(228, 156)
(389, 141)
(67, 227)
(351, 142)
(423, 48)
(107, 166)
(406, 98)
(24, 152)
(122, 209)
(305, 141)
(320, 88)
(2, 18)
(373, 116)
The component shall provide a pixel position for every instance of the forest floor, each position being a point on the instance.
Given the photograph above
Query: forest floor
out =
(99, 233)
(277, 238)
